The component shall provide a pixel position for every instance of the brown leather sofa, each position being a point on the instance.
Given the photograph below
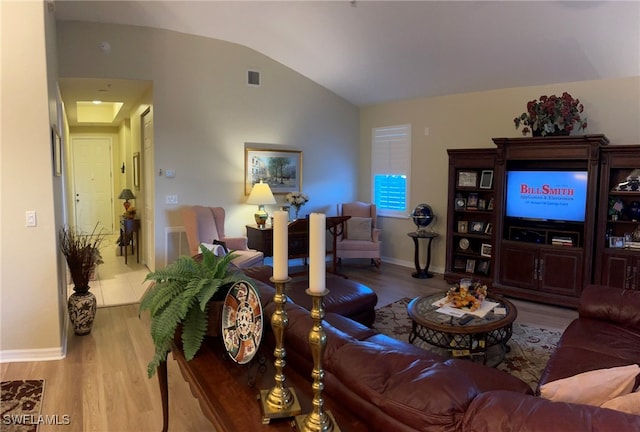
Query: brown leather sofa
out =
(606, 334)
(395, 386)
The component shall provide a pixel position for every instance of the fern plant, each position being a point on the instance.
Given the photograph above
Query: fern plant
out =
(181, 295)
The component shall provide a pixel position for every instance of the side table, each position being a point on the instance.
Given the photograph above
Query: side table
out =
(422, 273)
(130, 232)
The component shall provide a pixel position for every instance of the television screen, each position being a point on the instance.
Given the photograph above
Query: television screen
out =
(547, 195)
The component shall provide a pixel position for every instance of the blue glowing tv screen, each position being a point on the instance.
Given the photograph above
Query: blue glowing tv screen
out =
(547, 195)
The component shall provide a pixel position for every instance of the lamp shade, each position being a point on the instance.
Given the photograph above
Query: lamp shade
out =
(260, 194)
(126, 194)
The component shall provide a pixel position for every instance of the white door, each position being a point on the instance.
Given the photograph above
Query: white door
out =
(148, 190)
(93, 192)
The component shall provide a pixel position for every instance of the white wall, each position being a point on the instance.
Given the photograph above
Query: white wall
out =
(204, 113)
(30, 286)
(470, 120)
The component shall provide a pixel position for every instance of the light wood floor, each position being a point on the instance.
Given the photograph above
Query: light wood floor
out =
(102, 384)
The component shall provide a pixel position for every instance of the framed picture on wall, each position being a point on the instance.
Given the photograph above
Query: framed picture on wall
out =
(280, 169)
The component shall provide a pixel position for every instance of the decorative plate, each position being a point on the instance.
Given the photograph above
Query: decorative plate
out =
(463, 243)
(242, 322)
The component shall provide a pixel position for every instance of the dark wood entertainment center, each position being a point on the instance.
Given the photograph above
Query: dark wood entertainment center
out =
(546, 260)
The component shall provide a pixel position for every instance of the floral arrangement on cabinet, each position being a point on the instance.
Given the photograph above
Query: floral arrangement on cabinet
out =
(552, 115)
(297, 200)
(130, 213)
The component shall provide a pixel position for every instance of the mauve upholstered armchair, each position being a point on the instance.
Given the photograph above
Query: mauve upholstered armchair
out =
(360, 237)
(206, 225)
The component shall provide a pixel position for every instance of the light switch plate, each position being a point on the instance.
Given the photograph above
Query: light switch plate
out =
(31, 218)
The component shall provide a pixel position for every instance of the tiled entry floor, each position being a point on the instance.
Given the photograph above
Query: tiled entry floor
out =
(117, 283)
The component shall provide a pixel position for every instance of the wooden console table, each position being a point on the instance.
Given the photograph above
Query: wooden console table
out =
(229, 401)
(130, 232)
(262, 238)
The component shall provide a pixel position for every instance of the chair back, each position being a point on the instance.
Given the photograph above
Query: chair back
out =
(359, 209)
(203, 225)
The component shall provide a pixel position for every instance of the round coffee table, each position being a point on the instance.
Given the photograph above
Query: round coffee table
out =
(476, 338)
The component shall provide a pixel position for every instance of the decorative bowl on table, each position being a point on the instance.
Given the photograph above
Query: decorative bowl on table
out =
(467, 297)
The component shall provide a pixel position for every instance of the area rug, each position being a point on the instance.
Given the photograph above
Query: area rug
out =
(20, 405)
(530, 346)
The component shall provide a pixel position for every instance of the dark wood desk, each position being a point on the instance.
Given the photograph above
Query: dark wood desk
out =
(130, 232)
(230, 402)
(262, 238)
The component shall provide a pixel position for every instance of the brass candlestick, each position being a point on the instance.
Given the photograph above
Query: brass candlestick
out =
(317, 420)
(279, 401)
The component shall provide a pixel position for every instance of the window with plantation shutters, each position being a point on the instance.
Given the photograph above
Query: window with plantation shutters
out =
(391, 169)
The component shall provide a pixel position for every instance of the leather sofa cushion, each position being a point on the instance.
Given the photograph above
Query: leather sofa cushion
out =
(487, 379)
(297, 334)
(424, 394)
(348, 298)
(506, 411)
(590, 344)
(611, 304)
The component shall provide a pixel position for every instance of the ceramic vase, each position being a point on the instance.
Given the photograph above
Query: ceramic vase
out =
(82, 312)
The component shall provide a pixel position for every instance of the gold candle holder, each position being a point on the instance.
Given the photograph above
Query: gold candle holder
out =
(279, 401)
(318, 420)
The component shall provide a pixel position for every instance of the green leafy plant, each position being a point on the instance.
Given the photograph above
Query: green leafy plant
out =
(180, 296)
(82, 253)
(552, 114)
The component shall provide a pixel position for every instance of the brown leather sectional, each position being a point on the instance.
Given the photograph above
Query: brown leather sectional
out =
(394, 386)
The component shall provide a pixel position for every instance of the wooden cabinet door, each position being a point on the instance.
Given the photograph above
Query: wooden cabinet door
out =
(617, 271)
(518, 267)
(560, 271)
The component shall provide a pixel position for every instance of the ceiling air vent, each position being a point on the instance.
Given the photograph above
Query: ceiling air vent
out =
(253, 78)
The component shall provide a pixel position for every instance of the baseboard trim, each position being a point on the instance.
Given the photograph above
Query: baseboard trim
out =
(411, 264)
(43, 354)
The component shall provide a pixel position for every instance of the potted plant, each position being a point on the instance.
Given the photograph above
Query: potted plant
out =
(552, 115)
(182, 295)
(82, 253)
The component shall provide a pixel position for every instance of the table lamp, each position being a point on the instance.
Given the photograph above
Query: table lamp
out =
(260, 195)
(126, 195)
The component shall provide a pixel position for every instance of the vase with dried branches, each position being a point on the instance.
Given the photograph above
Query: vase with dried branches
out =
(82, 253)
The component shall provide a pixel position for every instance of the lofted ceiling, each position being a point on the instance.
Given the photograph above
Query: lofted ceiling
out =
(372, 52)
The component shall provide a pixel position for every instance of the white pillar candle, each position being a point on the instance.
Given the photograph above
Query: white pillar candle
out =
(317, 252)
(280, 245)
